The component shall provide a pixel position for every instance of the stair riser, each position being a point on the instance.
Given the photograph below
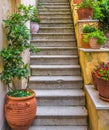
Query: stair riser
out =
(60, 121)
(56, 52)
(53, 10)
(54, 44)
(57, 30)
(55, 72)
(53, 1)
(38, 36)
(53, 61)
(56, 15)
(63, 101)
(55, 25)
(56, 85)
(56, 20)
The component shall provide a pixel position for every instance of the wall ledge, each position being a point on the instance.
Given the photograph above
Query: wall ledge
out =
(86, 21)
(98, 103)
(94, 50)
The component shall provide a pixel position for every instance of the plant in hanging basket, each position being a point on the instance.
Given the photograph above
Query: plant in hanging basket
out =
(86, 30)
(102, 73)
(20, 106)
(96, 39)
(85, 9)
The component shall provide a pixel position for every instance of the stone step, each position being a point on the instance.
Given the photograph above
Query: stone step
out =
(54, 4)
(55, 82)
(52, 36)
(56, 30)
(54, 13)
(55, 7)
(54, 10)
(57, 51)
(58, 128)
(54, 60)
(53, 1)
(56, 20)
(56, 17)
(54, 43)
(63, 97)
(60, 115)
(55, 70)
(55, 25)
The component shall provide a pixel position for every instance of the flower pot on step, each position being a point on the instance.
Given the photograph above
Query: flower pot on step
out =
(93, 43)
(94, 80)
(103, 88)
(85, 13)
(83, 44)
(77, 1)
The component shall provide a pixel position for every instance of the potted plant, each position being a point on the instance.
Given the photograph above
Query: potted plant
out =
(20, 106)
(86, 30)
(96, 39)
(102, 73)
(85, 9)
(35, 20)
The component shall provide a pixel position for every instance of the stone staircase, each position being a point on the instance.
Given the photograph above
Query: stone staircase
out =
(55, 71)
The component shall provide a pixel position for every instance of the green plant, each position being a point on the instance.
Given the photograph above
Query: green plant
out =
(99, 35)
(89, 29)
(35, 17)
(17, 42)
(86, 4)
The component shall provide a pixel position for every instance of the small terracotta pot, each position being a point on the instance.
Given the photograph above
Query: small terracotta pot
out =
(20, 111)
(93, 43)
(34, 27)
(103, 88)
(83, 44)
(94, 80)
(85, 13)
(77, 1)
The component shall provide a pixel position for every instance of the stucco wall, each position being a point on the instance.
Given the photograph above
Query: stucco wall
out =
(6, 8)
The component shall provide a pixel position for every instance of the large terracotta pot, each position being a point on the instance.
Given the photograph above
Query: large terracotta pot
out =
(93, 43)
(77, 1)
(20, 112)
(103, 88)
(85, 13)
(83, 44)
(34, 27)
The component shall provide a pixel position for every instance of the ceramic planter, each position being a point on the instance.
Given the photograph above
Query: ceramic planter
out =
(20, 111)
(83, 44)
(93, 43)
(85, 13)
(34, 27)
(77, 1)
(103, 88)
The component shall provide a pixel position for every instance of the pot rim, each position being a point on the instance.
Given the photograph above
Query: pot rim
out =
(21, 98)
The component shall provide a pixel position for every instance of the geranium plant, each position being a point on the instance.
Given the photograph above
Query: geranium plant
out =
(102, 70)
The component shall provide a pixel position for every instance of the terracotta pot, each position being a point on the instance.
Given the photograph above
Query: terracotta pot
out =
(77, 1)
(94, 80)
(103, 88)
(93, 43)
(34, 27)
(85, 13)
(83, 44)
(20, 111)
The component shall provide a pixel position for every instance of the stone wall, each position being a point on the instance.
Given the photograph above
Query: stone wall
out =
(6, 8)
